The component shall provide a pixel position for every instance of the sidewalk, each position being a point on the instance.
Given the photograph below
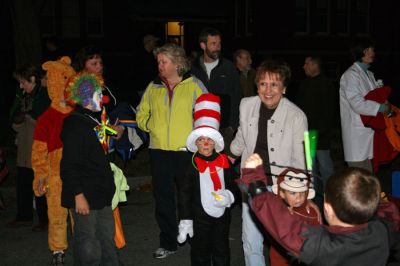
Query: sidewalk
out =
(21, 246)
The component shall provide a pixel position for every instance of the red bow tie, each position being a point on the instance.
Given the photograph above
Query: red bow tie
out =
(220, 161)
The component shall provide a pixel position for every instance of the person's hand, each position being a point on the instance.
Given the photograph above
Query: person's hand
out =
(223, 198)
(253, 161)
(120, 130)
(252, 171)
(185, 228)
(42, 187)
(388, 111)
(81, 205)
(385, 108)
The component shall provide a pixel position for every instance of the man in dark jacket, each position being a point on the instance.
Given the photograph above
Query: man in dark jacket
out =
(247, 74)
(318, 98)
(220, 77)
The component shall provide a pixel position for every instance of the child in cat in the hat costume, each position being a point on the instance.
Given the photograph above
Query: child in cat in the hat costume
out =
(204, 194)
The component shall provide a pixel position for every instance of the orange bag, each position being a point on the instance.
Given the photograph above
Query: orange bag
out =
(119, 233)
(393, 128)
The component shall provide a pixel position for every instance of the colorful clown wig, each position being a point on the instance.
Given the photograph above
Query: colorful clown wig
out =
(81, 87)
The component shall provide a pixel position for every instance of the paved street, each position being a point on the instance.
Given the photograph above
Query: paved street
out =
(23, 247)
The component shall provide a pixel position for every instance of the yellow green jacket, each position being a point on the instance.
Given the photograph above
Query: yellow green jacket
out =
(169, 123)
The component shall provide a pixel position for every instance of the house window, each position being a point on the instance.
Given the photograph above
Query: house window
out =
(47, 22)
(359, 17)
(328, 16)
(341, 23)
(174, 32)
(321, 17)
(243, 18)
(302, 16)
(312, 16)
(70, 21)
(94, 14)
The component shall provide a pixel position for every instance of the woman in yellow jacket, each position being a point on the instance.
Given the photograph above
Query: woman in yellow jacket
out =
(166, 112)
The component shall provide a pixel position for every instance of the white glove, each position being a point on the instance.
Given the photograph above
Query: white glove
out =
(223, 198)
(185, 228)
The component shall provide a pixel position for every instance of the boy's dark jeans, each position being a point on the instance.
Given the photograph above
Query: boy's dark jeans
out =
(94, 238)
(210, 243)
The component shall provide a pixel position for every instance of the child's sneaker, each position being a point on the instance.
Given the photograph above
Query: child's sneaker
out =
(162, 253)
(58, 259)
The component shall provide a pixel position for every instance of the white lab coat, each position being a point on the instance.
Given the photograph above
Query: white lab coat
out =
(357, 139)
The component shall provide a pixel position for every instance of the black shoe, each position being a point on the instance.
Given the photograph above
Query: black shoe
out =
(58, 259)
(162, 253)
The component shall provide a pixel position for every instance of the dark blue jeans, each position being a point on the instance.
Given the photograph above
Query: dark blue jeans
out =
(94, 238)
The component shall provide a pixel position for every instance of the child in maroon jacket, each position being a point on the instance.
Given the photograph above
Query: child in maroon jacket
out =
(293, 187)
(362, 230)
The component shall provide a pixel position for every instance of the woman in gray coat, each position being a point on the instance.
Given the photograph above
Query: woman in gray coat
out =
(273, 127)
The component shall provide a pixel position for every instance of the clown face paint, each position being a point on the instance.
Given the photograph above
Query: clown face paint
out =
(97, 103)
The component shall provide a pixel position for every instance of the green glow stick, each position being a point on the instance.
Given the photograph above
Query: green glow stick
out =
(307, 150)
(111, 130)
(313, 143)
(310, 147)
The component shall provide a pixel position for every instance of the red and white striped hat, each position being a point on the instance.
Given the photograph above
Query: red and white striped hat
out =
(207, 114)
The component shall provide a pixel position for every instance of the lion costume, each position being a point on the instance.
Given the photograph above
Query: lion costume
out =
(47, 150)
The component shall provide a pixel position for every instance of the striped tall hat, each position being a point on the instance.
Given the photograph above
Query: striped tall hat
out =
(207, 115)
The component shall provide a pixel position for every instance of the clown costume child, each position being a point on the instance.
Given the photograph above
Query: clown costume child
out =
(88, 181)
